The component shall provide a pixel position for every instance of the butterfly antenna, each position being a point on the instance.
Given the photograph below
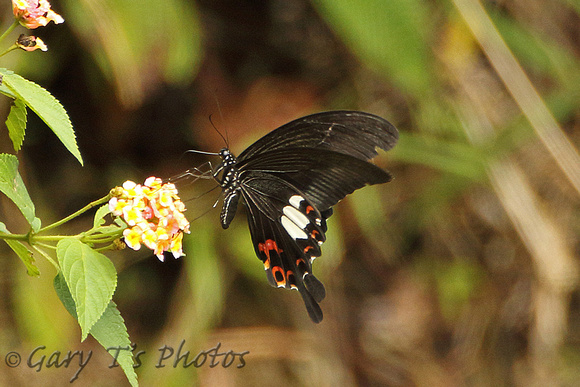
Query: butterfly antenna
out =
(217, 102)
(226, 139)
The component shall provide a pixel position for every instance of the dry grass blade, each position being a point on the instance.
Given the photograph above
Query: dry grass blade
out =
(521, 88)
(554, 266)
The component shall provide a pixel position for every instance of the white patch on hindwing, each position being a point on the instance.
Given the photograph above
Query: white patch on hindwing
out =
(296, 216)
(292, 229)
(295, 200)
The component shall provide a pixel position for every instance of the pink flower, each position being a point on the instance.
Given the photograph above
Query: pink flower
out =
(34, 13)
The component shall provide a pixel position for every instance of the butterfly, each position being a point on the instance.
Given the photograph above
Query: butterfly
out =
(290, 179)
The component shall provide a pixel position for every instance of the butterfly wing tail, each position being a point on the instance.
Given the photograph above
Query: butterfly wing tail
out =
(314, 287)
(311, 302)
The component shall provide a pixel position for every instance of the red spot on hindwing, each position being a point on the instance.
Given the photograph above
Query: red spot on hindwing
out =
(266, 247)
(291, 279)
(301, 266)
(314, 233)
(278, 274)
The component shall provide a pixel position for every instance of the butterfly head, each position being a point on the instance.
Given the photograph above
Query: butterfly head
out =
(227, 157)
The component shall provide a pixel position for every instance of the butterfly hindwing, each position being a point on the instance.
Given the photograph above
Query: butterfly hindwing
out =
(287, 231)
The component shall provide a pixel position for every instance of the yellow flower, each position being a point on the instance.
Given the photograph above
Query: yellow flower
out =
(116, 205)
(34, 13)
(154, 213)
(132, 189)
(133, 237)
(132, 215)
(176, 245)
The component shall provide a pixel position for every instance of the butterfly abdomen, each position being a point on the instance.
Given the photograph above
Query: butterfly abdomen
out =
(230, 185)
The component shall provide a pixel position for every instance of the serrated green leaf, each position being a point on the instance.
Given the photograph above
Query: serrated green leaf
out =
(11, 185)
(25, 256)
(110, 330)
(22, 251)
(119, 222)
(64, 295)
(112, 228)
(100, 214)
(6, 91)
(36, 224)
(16, 123)
(91, 278)
(41, 102)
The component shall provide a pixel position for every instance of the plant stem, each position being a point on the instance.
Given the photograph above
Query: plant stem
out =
(45, 255)
(50, 238)
(46, 246)
(72, 216)
(9, 30)
(11, 48)
(20, 237)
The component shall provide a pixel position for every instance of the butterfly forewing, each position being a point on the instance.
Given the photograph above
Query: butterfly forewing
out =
(350, 132)
(324, 176)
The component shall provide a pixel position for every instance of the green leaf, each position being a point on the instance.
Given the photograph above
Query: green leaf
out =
(91, 278)
(16, 123)
(100, 214)
(11, 185)
(22, 251)
(110, 330)
(64, 295)
(25, 255)
(36, 224)
(6, 91)
(45, 106)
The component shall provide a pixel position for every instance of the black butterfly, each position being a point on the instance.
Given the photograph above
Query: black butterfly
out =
(290, 179)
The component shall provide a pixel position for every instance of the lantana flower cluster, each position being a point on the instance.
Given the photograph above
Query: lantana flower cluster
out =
(35, 13)
(154, 213)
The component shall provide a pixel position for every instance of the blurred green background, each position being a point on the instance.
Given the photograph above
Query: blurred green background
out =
(462, 271)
